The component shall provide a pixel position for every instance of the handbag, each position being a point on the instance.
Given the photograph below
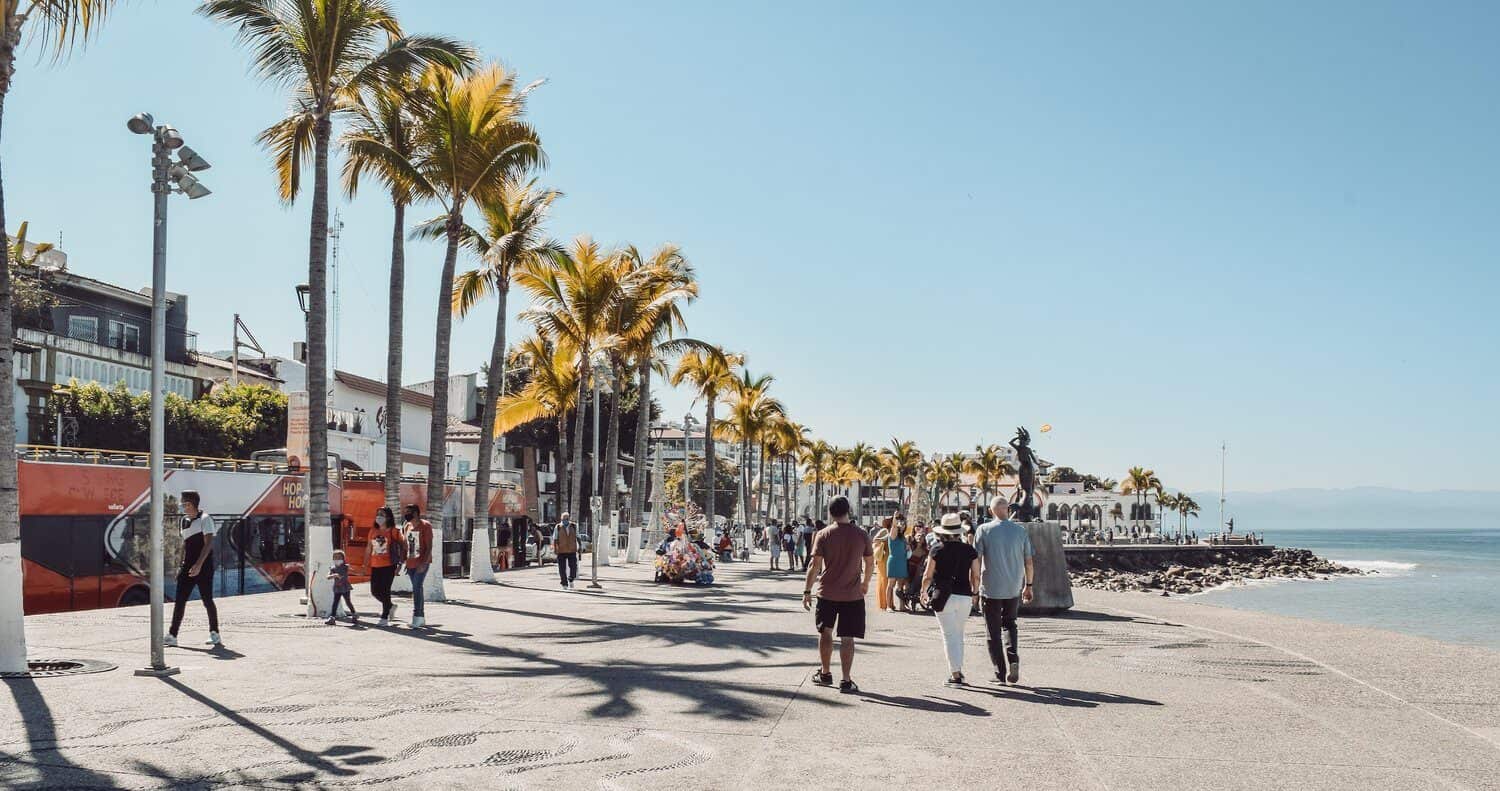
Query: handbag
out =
(938, 593)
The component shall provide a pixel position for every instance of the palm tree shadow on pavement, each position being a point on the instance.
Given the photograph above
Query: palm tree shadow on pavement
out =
(618, 681)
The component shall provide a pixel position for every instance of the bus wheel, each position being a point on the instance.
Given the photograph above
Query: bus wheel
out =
(135, 596)
(293, 582)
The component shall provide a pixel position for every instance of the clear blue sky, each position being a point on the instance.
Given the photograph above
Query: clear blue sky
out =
(1152, 225)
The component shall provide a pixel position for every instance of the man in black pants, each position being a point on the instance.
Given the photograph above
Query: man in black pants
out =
(1006, 572)
(197, 570)
(565, 546)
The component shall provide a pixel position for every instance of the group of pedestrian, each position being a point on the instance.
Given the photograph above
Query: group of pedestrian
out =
(795, 540)
(955, 568)
(406, 548)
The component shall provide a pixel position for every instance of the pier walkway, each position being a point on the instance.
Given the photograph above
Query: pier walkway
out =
(524, 685)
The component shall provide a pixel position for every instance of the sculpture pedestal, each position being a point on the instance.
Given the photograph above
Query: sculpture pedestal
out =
(1051, 589)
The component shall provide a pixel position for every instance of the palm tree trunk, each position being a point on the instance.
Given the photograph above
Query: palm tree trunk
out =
(12, 620)
(493, 383)
(576, 475)
(760, 495)
(318, 528)
(710, 469)
(560, 467)
(744, 482)
(642, 427)
(437, 436)
(393, 353)
(786, 487)
(611, 453)
(818, 493)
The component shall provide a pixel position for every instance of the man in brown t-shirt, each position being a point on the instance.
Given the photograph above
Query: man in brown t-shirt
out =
(839, 576)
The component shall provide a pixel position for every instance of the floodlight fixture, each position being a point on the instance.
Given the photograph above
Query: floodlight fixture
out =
(169, 137)
(141, 123)
(190, 159)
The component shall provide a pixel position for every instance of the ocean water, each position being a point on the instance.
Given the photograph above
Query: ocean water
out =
(1442, 583)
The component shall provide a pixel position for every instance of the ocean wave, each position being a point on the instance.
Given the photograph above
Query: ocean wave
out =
(1381, 566)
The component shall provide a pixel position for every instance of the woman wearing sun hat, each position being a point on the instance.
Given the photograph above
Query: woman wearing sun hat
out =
(948, 585)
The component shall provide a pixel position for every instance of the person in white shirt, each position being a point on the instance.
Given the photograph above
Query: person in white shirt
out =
(197, 570)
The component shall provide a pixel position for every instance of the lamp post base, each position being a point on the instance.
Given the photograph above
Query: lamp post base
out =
(158, 672)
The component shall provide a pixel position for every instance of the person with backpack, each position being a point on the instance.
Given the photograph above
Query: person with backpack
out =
(949, 584)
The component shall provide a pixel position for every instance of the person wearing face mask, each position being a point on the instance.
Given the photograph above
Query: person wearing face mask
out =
(385, 543)
(418, 536)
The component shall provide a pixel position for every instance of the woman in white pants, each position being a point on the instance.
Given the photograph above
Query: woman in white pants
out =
(949, 584)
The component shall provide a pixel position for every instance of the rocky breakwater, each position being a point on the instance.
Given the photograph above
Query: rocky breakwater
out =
(1193, 569)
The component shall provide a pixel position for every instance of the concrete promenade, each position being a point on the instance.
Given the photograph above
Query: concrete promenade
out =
(523, 685)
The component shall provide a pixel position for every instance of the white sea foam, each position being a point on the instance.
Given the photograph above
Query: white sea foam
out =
(1379, 566)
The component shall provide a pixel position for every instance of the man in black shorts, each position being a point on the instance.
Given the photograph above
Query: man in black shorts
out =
(834, 577)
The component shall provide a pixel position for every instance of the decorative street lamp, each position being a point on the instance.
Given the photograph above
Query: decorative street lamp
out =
(167, 177)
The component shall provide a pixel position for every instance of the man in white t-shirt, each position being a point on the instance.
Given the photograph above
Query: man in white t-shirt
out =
(197, 570)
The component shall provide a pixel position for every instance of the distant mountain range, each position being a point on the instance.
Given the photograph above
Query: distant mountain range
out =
(1364, 505)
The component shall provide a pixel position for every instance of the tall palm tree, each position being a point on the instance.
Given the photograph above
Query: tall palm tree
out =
(573, 300)
(904, 462)
(816, 455)
(1166, 502)
(381, 122)
(1140, 481)
(472, 139)
(327, 53)
(647, 314)
(710, 373)
(59, 25)
(787, 438)
(988, 465)
(649, 340)
(751, 409)
(550, 392)
(1186, 508)
(859, 459)
(512, 236)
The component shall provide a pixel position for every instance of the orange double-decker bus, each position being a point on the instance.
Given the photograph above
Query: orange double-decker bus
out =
(85, 523)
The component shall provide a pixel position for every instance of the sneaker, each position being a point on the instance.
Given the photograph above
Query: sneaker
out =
(418, 622)
(953, 682)
(848, 687)
(1015, 673)
(1000, 678)
(213, 639)
(169, 641)
(329, 622)
(382, 622)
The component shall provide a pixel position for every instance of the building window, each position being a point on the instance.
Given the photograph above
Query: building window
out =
(125, 337)
(83, 328)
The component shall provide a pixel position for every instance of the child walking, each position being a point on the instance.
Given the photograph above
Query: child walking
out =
(341, 588)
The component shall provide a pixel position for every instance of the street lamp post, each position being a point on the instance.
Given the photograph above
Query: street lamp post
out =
(165, 174)
(687, 463)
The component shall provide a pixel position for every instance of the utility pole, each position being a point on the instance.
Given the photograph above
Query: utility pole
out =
(164, 172)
